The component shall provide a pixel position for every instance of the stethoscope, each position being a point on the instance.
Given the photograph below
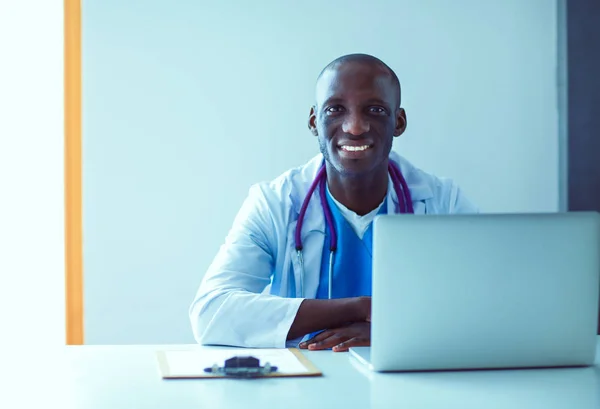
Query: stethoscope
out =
(404, 206)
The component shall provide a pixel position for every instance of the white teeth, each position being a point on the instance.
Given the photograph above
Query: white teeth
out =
(355, 148)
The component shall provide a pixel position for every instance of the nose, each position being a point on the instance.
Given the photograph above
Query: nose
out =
(355, 124)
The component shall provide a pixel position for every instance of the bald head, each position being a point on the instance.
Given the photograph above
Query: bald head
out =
(367, 61)
(357, 104)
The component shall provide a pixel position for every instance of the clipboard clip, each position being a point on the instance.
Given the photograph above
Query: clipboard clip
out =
(242, 367)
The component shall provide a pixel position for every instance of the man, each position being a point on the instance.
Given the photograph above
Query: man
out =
(260, 290)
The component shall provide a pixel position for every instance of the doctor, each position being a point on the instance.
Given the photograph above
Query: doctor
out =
(296, 264)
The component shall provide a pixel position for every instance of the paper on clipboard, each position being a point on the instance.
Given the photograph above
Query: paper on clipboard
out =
(191, 363)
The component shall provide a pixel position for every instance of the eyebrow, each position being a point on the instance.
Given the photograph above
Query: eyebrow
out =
(378, 102)
(371, 101)
(333, 100)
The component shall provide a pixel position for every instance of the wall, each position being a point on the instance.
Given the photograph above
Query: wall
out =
(31, 173)
(583, 45)
(187, 104)
(582, 17)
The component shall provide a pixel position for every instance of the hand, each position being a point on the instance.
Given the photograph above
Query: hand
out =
(340, 339)
(314, 314)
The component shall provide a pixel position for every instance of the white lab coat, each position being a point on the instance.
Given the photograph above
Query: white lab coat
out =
(245, 297)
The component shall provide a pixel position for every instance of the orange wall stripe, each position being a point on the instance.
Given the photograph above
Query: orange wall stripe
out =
(73, 198)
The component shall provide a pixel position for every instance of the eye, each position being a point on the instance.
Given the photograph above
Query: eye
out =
(334, 109)
(377, 110)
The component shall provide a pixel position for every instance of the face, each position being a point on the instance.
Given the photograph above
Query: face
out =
(356, 117)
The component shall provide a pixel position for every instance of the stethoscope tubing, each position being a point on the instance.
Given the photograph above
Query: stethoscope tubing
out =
(404, 206)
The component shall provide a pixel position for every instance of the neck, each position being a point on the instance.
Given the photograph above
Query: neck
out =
(361, 194)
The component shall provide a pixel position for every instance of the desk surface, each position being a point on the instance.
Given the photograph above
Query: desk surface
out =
(116, 377)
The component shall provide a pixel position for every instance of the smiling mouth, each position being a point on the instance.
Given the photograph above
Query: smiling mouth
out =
(351, 148)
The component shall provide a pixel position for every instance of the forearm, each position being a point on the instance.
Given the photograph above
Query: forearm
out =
(242, 318)
(315, 315)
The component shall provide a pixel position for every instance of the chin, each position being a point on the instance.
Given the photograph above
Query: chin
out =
(354, 167)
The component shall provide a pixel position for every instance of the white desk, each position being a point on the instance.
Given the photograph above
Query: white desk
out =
(114, 377)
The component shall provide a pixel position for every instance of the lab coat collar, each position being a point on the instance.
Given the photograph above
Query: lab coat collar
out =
(416, 181)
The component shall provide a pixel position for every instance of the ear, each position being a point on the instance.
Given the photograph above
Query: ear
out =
(400, 122)
(312, 121)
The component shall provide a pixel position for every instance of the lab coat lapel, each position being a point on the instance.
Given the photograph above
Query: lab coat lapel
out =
(312, 235)
(419, 189)
(313, 229)
(313, 238)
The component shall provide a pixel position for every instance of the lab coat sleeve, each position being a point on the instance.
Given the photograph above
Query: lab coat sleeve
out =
(229, 308)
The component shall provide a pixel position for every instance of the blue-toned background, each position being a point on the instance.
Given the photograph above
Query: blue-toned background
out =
(187, 103)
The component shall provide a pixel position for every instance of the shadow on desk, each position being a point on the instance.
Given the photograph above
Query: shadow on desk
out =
(525, 388)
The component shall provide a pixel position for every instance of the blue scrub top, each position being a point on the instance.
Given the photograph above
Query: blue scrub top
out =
(353, 259)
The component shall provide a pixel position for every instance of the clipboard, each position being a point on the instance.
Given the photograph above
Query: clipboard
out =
(191, 363)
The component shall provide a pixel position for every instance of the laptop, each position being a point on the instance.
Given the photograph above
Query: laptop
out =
(484, 291)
